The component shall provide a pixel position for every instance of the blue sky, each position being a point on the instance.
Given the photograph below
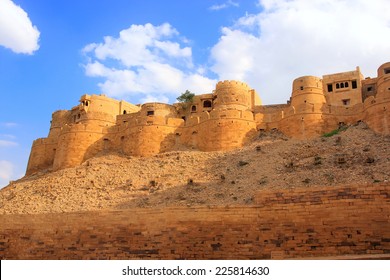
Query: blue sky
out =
(52, 52)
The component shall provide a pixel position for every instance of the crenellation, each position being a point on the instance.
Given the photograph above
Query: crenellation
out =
(227, 118)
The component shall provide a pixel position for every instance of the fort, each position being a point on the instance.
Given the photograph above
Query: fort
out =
(225, 119)
(132, 181)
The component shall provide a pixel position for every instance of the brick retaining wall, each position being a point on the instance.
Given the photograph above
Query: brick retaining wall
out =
(299, 223)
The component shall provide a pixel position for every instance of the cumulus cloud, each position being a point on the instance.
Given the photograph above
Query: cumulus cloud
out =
(6, 172)
(150, 62)
(225, 5)
(288, 39)
(16, 29)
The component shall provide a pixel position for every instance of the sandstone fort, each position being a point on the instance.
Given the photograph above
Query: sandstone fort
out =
(132, 181)
(225, 119)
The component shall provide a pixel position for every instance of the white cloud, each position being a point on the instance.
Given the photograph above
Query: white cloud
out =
(6, 143)
(293, 38)
(8, 124)
(8, 136)
(6, 172)
(225, 5)
(267, 50)
(146, 61)
(16, 30)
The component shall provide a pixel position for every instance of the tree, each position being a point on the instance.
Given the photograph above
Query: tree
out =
(186, 97)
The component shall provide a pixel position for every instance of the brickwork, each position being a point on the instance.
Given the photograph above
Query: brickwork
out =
(327, 222)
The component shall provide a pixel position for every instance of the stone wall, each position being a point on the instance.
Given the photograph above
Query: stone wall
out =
(77, 143)
(327, 222)
(41, 155)
(230, 119)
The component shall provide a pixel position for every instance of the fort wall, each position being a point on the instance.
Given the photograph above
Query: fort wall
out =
(150, 139)
(42, 155)
(77, 143)
(327, 222)
(220, 129)
(226, 119)
(377, 115)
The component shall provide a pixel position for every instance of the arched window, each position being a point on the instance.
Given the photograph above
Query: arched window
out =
(342, 85)
(346, 84)
(193, 108)
(337, 85)
(124, 112)
(86, 103)
(207, 104)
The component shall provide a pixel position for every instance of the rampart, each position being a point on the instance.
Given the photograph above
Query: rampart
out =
(327, 222)
(225, 119)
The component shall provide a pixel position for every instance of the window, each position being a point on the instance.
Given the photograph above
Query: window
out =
(337, 85)
(346, 102)
(124, 112)
(387, 71)
(106, 144)
(301, 88)
(346, 84)
(354, 84)
(207, 104)
(342, 85)
(369, 88)
(330, 87)
(86, 103)
(193, 108)
(150, 113)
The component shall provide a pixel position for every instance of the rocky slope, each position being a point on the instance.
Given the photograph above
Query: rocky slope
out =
(187, 178)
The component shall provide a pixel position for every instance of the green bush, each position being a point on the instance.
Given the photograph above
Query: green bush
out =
(334, 132)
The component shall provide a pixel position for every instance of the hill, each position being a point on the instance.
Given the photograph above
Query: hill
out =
(354, 155)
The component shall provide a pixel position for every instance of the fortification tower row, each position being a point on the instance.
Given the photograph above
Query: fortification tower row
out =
(227, 118)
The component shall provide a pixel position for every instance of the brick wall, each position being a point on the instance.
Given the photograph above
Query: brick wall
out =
(300, 223)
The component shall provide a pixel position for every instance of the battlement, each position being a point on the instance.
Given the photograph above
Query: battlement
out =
(227, 118)
(232, 83)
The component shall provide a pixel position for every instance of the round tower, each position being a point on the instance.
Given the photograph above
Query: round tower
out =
(233, 95)
(76, 143)
(158, 109)
(383, 83)
(307, 89)
(58, 119)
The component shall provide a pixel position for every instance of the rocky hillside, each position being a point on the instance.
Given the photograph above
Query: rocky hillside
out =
(112, 181)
